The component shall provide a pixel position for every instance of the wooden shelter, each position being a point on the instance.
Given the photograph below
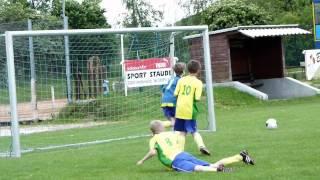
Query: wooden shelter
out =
(246, 53)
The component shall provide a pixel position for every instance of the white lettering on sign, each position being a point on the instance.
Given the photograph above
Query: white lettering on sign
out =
(136, 67)
(161, 65)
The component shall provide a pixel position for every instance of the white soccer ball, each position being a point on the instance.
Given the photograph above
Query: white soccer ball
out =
(271, 123)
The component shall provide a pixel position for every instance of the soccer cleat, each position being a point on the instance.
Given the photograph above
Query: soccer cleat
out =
(221, 168)
(205, 151)
(246, 158)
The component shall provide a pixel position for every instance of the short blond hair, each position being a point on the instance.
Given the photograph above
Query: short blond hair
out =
(155, 125)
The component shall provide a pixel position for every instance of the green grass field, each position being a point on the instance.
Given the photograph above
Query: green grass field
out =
(289, 152)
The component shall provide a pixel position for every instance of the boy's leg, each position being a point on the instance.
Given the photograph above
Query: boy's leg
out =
(228, 160)
(191, 127)
(185, 162)
(166, 124)
(198, 139)
(172, 116)
(169, 113)
(179, 128)
(242, 156)
(172, 120)
(199, 168)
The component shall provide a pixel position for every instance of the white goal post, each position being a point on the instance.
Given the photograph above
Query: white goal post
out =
(9, 35)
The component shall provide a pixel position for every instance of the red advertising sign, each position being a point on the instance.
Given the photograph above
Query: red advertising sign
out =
(148, 72)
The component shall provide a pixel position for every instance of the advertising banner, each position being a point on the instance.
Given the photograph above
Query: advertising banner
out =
(312, 63)
(147, 72)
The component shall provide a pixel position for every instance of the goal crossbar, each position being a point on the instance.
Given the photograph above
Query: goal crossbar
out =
(106, 31)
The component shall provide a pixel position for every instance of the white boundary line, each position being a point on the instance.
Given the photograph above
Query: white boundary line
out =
(82, 144)
(7, 154)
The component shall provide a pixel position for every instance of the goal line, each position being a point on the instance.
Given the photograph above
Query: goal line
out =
(82, 144)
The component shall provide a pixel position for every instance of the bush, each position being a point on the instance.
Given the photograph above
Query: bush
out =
(229, 13)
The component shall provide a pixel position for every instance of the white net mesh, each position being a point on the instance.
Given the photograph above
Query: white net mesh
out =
(97, 110)
(5, 133)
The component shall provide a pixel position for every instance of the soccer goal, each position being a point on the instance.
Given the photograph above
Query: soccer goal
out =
(91, 86)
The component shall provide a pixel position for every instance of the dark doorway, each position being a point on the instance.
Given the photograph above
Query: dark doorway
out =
(253, 59)
(240, 59)
(267, 58)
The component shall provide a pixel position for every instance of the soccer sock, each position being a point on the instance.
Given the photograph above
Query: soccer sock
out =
(230, 160)
(198, 139)
(166, 124)
(205, 168)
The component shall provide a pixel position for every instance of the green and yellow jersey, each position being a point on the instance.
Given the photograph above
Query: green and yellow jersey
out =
(188, 90)
(167, 147)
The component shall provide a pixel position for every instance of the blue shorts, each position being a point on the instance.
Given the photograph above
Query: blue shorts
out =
(185, 162)
(188, 126)
(169, 112)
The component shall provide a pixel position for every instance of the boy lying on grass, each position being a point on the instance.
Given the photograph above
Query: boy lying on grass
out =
(166, 146)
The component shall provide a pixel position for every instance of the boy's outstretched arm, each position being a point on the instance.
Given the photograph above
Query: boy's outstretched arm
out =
(150, 154)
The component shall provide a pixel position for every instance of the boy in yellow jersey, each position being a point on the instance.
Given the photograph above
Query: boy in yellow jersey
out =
(188, 92)
(166, 146)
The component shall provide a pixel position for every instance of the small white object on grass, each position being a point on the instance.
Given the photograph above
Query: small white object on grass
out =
(271, 123)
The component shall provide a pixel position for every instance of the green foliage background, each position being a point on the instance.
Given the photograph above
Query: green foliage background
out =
(226, 14)
(229, 13)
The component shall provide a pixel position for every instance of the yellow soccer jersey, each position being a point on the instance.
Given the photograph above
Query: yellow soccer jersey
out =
(188, 90)
(167, 146)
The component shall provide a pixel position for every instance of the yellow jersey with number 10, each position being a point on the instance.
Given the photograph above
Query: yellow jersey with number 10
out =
(188, 90)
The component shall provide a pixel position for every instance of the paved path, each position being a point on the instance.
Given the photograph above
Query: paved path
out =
(5, 131)
(46, 109)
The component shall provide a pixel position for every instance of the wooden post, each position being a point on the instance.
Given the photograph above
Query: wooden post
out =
(90, 74)
(77, 84)
(52, 99)
(95, 79)
(33, 75)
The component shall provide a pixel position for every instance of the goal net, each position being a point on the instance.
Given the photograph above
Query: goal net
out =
(79, 87)
(5, 118)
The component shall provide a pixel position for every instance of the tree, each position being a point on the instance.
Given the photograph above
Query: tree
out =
(41, 5)
(288, 11)
(141, 14)
(194, 6)
(229, 13)
(291, 12)
(15, 11)
(23, 2)
(87, 14)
